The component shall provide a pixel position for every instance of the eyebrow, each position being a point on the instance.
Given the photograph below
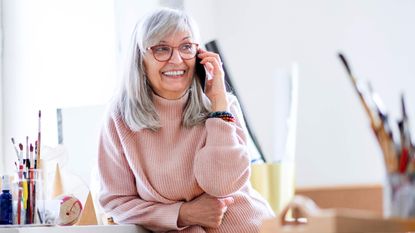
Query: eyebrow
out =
(185, 38)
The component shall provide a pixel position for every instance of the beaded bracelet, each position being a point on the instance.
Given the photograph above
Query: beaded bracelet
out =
(226, 116)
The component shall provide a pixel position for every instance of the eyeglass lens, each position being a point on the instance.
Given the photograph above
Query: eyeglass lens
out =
(164, 52)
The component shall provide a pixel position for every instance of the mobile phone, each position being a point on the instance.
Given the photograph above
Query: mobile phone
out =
(200, 72)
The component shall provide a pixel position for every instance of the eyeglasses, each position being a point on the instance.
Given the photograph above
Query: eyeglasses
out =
(164, 52)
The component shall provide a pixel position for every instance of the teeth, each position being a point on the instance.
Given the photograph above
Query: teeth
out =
(174, 73)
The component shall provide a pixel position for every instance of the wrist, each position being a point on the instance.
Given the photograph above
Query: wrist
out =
(224, 115)
(183, 219)
(220, 105)
(220, 108)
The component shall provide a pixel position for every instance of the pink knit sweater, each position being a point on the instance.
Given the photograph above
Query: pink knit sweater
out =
(146, 176)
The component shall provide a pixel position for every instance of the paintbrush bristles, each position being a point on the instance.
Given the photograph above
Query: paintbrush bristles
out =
(20, 155)
(27, 147)
(15, 148)
(39, 141)
(30, 148)
(14, 145)
(32, 164)
(345, 63)
(404, 115)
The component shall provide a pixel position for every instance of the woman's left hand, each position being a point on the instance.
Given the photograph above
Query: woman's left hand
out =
(215, 88)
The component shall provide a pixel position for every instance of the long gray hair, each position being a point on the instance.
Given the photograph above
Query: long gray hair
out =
(134, 99)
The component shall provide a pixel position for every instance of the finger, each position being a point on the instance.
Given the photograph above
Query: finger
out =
(209, 67)
(201, 50)
(216, 63)
(204, 54)
(201, 53)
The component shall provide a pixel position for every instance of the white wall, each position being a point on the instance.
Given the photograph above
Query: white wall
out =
(127, 13)
(335, 144)
(334, 141)
(204, 14)
(57, 54)
(1, 86)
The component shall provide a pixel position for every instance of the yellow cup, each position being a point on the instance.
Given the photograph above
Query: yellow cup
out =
(275, 182)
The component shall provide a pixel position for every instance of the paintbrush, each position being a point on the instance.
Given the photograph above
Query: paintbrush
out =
(21, 153)
(38, 141)
(15, 148)
(31, 156)
(362, 94)
(378, 119)
(27, 147)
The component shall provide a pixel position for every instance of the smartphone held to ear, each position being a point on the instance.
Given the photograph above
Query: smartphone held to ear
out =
(200, 72)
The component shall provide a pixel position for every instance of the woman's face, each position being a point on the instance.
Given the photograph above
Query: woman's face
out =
(170, 79)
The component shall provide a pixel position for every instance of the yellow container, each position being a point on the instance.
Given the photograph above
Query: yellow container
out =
(275, 182)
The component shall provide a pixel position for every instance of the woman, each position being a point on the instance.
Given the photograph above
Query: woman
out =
(173, 157)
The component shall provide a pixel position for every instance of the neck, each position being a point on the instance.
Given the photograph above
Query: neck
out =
(170, 108)
(172, 96)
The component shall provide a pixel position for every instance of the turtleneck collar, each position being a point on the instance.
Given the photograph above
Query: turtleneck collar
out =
(170, 109)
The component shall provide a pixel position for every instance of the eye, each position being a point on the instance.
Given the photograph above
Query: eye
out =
(161, 49)
(187, 47)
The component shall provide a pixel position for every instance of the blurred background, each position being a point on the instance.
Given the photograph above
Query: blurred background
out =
(67, 53)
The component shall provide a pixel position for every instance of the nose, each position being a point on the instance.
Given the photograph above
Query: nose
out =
(175, 57)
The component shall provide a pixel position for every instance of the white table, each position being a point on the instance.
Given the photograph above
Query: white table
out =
(77, 229)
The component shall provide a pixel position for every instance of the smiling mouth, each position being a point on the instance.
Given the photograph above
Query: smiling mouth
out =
(175, 73)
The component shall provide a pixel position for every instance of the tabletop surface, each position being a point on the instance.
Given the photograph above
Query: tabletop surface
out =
(76, 229)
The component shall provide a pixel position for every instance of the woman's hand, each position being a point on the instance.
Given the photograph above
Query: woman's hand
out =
(206, 211)
(215, 88)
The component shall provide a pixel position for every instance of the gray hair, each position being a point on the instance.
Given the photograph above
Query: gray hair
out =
(134, 99)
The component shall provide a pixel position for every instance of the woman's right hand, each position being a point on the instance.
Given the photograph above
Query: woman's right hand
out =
(206, 211)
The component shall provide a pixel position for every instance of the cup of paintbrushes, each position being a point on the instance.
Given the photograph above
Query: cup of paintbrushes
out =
(28, 197)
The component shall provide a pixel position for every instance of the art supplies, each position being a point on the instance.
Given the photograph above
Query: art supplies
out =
(398, 150)
(28, 181)
(29, 205)
(38, 141)
(70, 211)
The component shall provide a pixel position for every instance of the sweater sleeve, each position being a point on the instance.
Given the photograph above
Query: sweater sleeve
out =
(222, 165)
(118, 193)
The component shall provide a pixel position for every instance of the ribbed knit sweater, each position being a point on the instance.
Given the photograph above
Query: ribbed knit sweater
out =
(147, 175)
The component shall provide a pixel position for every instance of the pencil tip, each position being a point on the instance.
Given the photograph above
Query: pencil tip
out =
(21, 146)
(40, 113)
(13, 140)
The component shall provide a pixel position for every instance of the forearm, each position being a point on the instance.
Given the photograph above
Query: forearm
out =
(133, 210)
(118, 194)
(222, 166)
(220, 103)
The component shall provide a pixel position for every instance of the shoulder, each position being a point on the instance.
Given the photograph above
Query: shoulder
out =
(114, 121)
(113, 115)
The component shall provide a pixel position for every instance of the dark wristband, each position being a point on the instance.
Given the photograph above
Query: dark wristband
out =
(226, 116)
